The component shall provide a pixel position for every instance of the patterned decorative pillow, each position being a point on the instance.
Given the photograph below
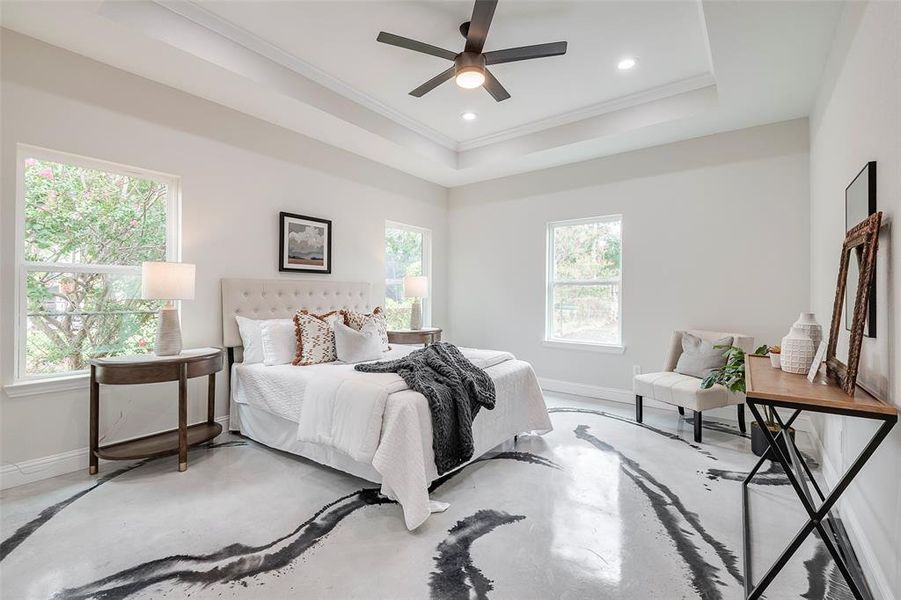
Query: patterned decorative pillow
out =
(315, 338)
(356, 320)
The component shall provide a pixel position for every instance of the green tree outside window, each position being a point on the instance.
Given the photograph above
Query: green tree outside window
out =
(87, 231)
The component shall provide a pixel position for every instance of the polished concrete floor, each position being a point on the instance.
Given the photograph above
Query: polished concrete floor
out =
(599, 508)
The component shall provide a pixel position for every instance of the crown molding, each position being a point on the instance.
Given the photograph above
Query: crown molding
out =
(608, 106)
(191, 10)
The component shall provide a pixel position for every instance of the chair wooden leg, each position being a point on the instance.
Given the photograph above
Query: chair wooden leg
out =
(741, 418)
(698, 426)
(681, 411)
(638, 408)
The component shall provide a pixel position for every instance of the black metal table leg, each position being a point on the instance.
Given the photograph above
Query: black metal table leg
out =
(766, 454)
(745, 510)
(801, 460)
(815, 515)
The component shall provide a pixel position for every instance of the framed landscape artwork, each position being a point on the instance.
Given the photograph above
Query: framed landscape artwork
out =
(305, 244)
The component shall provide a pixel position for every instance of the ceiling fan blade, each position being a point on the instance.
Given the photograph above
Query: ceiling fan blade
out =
(402, 42)
(497, 57)
(494, 87)
(482, 13)
(432, 83)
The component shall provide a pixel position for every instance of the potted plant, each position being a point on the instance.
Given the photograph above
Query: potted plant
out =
(732, 376)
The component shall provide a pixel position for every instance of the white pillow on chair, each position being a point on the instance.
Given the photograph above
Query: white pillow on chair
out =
(354, 346)
(699, 357)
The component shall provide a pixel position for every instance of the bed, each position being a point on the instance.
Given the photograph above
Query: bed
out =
(267, 401)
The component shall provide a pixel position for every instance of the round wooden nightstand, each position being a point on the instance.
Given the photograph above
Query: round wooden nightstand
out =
(149, 368)
(424, 336)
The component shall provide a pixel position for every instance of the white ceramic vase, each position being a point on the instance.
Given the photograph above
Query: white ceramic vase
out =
(797, 351)
(807, 323)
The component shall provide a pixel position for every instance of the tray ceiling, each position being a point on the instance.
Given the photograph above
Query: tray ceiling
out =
(315, 68)
(338, 38)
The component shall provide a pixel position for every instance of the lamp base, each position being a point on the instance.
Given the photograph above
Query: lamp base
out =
(168, 333)
(416, 315)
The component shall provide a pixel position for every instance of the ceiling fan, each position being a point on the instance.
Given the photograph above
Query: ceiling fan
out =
(469, 70)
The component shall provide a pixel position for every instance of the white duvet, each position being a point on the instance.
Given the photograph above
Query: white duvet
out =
(376, 420)
(344, 408)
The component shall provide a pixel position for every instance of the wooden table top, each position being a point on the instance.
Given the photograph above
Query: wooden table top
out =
(186, 355)
(767, 383)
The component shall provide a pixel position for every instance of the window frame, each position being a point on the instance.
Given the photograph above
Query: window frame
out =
(23, 267)
(426, 264)
(551, 283)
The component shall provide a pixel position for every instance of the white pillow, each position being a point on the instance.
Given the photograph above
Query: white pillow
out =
(279, 342)
(251, 339)
(354, 346)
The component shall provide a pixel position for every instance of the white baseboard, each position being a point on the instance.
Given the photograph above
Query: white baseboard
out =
(16, 474)
(591, 391)
(866, 555)
(802, 423)
(28, 471)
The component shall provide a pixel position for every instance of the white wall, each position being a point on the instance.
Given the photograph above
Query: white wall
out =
(715, 236)
(236, 173)
(857, 118)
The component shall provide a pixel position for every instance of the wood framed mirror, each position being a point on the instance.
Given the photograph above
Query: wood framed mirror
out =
(860, 246)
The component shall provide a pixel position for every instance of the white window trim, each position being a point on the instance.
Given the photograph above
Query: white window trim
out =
(24, 384)
(426, 263)
(560, 343)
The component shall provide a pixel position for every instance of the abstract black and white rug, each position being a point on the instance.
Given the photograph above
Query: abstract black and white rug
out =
(599, 508)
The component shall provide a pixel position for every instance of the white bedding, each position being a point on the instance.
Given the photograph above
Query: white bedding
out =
(344, 408)
(375, 420)
(280, 389)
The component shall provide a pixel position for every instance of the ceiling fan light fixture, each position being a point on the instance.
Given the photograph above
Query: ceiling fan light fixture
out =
(470, 77)
(469, 66)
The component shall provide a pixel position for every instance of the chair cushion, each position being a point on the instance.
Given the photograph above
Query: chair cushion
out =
(683, 390)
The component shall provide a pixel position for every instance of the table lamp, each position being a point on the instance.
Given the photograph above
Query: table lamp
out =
(170, 282)
(416, 288)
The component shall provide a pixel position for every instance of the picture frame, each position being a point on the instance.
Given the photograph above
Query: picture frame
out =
(305, 244)
(818, 359)
(863, 241)
(860, 203)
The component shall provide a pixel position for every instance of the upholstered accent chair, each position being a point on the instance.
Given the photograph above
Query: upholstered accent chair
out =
(684, 391)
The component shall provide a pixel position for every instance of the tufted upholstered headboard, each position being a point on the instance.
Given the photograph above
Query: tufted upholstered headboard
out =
(281, 298)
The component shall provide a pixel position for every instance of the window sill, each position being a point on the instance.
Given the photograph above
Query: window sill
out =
(47, 385)
(586, 346)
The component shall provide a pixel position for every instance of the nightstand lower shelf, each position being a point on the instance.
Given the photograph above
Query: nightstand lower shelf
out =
(158, 444)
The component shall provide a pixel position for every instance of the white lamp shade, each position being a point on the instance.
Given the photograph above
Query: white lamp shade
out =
(167, 281)
(416, 287)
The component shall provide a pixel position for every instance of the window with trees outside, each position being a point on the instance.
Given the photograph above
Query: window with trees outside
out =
(408, 253)
(584, 281)
(85, 227)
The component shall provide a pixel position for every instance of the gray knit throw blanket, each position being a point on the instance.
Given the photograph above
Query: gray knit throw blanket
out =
(456, 390)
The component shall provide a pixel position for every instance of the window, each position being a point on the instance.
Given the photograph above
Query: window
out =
(84, 229)
(408, 253)
(584, 281)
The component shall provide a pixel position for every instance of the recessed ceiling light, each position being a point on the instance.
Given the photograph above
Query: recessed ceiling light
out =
(626, 64)
(468, 116)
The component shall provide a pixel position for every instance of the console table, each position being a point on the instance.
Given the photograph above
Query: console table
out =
(766, 386)
(149, 368)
